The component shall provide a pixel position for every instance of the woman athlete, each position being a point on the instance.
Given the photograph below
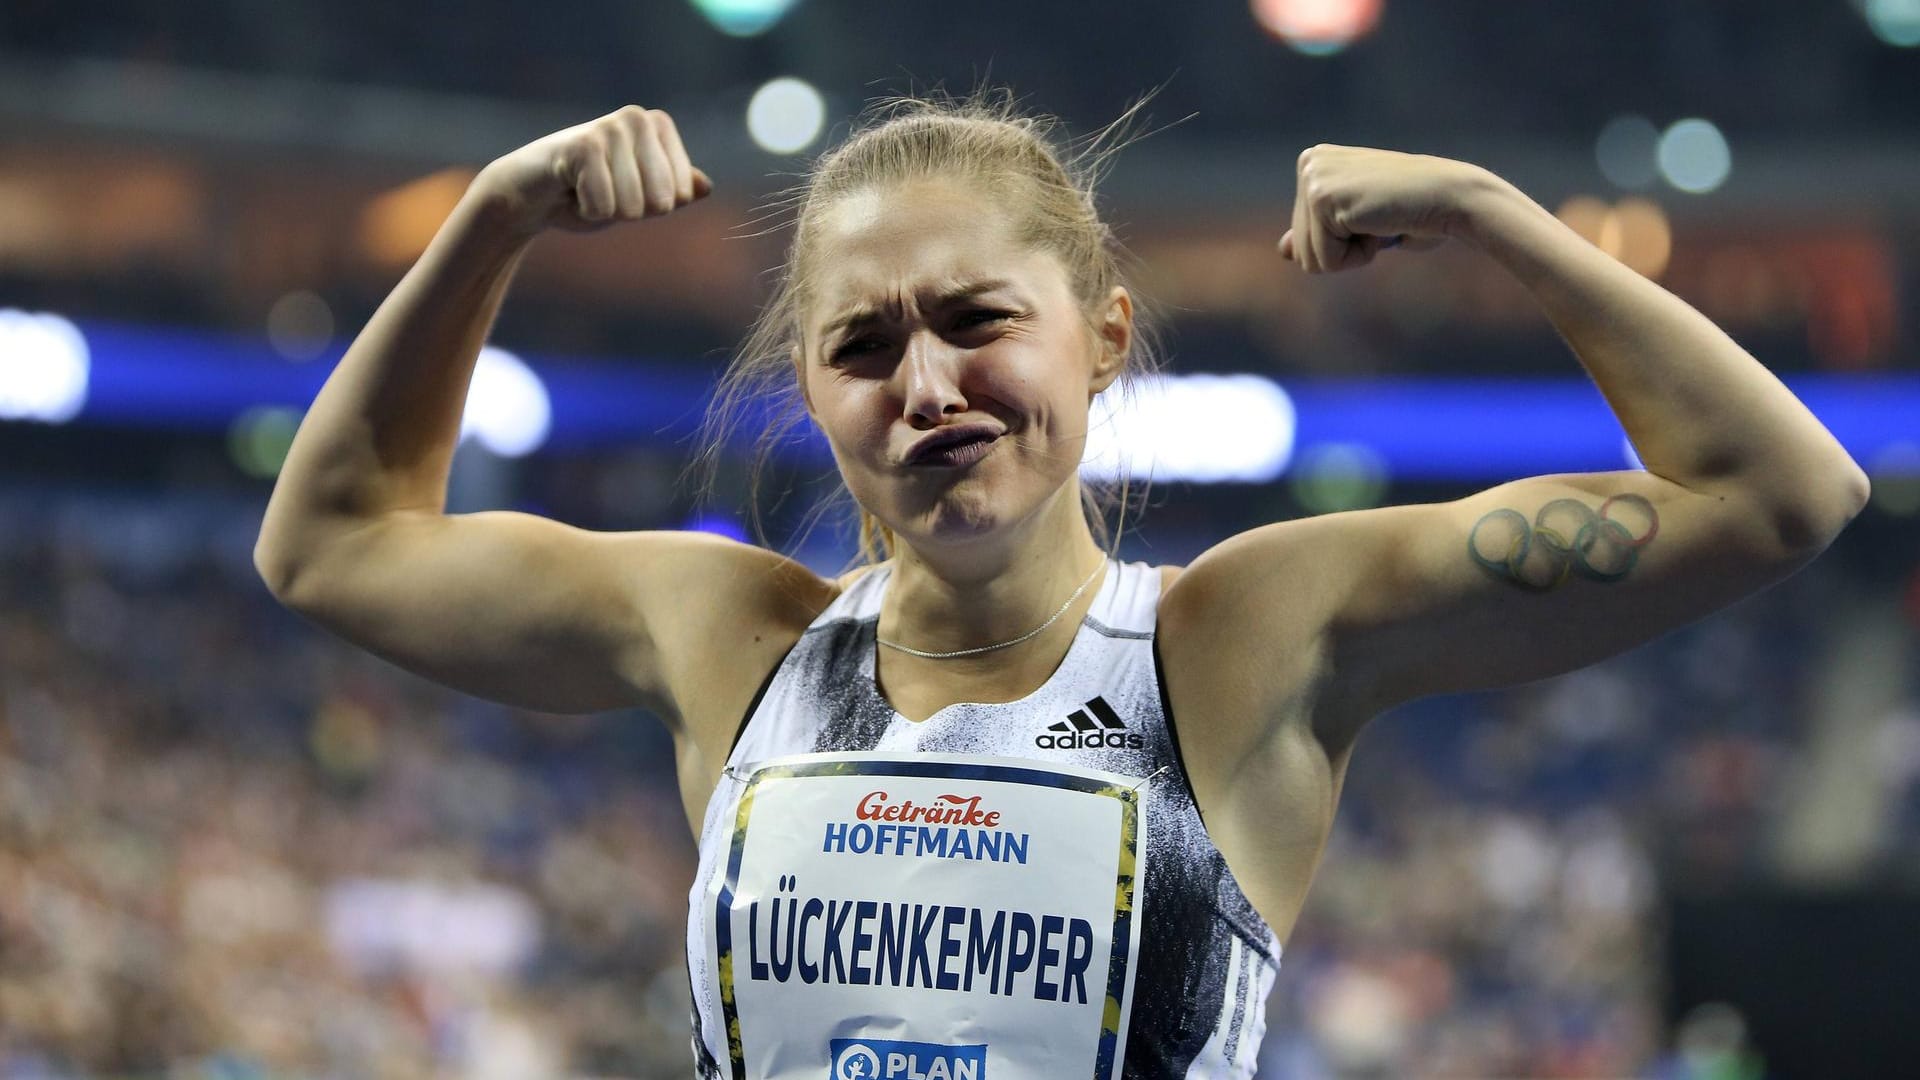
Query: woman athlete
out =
(996, 800)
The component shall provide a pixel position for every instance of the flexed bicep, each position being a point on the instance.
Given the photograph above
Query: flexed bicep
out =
(1540, 576)
(1519, 582)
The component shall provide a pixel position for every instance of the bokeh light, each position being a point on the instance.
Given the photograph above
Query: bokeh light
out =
(300, 325)
(508, 409)
(1335, 476)
(786, 115)
(44, 367)
(1317, 27)
(744, 18)
(1896, 22)
(1636, 231)
(1694, 156)
(399, 224)
(1626, 152)
(259, 438)
(1202, 428)
(1586, 215)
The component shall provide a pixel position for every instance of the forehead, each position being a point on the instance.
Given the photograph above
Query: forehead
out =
(879, 247)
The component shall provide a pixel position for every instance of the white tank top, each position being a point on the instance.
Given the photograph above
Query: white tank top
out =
(1021, 890)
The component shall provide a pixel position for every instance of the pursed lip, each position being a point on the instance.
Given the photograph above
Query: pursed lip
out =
(952, 436)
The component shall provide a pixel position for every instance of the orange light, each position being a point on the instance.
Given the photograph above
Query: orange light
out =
(397, 226)
(1585, 215)
(1641, 236)
(1636, 231)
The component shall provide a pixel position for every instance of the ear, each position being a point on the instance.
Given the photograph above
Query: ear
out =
(1115, 331)
(799, 358)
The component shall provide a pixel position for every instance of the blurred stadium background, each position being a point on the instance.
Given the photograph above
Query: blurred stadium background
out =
(233, 847)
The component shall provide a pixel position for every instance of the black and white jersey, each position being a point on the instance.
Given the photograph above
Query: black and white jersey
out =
(1025, 886)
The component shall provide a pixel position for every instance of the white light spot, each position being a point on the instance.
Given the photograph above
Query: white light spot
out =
(785, 116)
(507, 405)
(1694, 157)
(1203, 428)
(44, 364)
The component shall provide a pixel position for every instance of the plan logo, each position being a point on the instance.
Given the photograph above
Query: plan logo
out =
(1079, 732)
(888, 1059)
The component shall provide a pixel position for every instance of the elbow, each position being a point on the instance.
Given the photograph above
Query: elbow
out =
(1810, 526)
(276, 572)
(282, 557)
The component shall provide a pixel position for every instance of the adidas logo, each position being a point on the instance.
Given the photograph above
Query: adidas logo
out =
(1079, 731)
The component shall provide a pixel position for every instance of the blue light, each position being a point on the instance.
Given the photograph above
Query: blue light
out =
(743, 18)
(1429, 429)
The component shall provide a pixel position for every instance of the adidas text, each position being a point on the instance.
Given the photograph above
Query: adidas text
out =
(1089, 740)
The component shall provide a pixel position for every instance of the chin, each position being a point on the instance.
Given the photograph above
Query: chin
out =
(970, 515)
(945, 523)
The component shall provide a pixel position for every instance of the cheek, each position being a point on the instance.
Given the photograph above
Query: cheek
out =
(1048, 394)
(853, 415)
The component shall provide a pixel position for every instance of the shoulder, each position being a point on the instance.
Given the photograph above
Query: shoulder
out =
(1275, 582)
(1245, 629)
(724, 614)
(718, 579)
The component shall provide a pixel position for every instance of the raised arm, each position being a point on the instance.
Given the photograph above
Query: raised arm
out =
(1542, 575)
(500, 604)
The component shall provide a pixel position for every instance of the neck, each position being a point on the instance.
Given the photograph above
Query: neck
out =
(961, 596)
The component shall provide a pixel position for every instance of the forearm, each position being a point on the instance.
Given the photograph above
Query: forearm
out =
(1700, 410)
(381, 434)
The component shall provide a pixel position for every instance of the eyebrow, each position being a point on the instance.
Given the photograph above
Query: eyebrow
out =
(862, 313)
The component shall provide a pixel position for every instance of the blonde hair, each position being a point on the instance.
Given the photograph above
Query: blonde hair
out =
(984, 139)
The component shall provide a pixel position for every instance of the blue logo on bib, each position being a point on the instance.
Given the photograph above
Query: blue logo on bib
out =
(886, 1059)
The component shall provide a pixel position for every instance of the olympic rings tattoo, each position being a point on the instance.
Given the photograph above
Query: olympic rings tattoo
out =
(1539, 556)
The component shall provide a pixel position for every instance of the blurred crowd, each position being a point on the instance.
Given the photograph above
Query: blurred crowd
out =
(233, 847)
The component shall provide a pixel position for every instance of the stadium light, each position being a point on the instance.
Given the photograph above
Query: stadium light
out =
(1317, 27)
(44, 367)
(508, 409)
(1693, 156)
(1201, 428)
(786, 115)
(743, 18)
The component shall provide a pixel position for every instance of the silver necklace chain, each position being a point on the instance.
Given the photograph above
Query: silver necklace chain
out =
(1004, 644)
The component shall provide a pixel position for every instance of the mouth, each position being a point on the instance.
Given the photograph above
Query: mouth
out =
(960, 446)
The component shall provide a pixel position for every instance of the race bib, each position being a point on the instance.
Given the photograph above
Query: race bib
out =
(929, 918)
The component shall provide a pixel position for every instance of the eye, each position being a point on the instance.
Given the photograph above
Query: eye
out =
(981, 316)
(855, 347)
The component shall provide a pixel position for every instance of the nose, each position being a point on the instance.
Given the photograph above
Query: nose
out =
(931, 368)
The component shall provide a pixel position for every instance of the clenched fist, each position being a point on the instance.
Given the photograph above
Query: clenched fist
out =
(624, 166)
(1351, 202)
